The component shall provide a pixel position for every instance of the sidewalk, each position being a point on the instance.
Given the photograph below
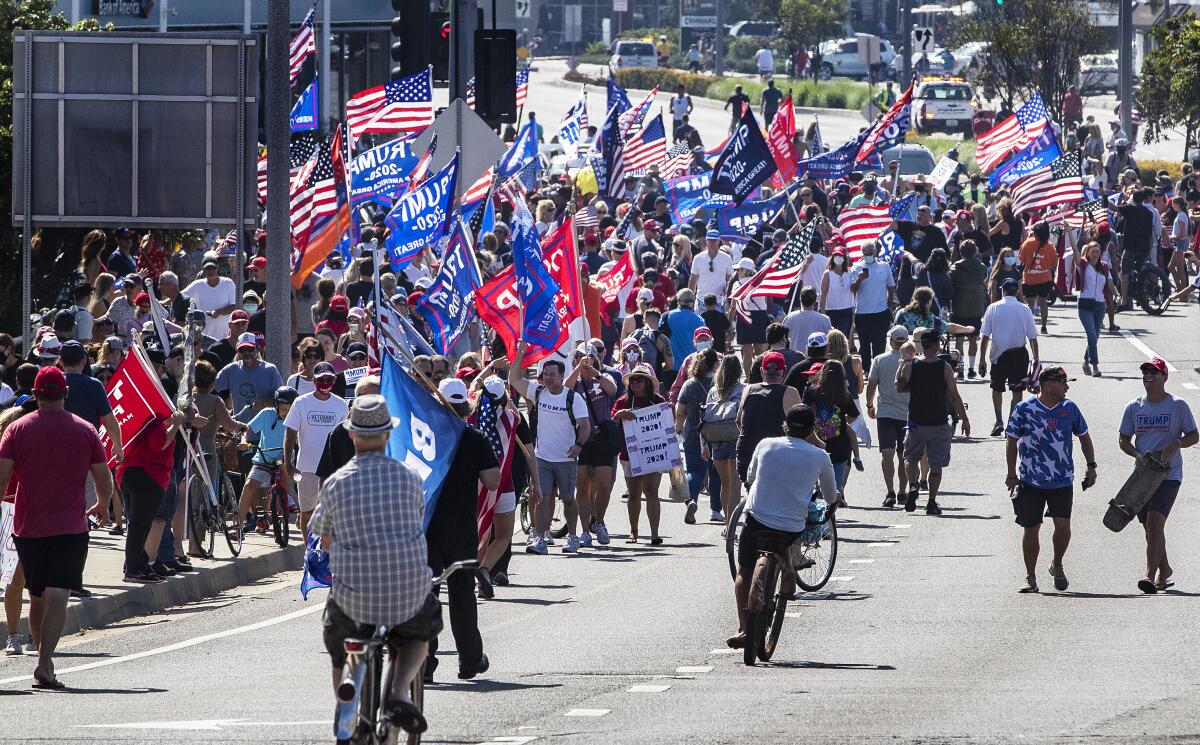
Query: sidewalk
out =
(114, 599)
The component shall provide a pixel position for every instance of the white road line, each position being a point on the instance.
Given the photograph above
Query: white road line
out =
(587, 712)
(885, 544)
(791, 615)
(723, 651)
(647, 689)
(686, 669)
(1191, 386)
(179, 645)
(1141, 347)
(514, 740)
(901, 527)
(841, 579)
(862, 561)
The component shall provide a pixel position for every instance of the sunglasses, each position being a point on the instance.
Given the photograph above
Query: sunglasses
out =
(314, 356)
(357, 356)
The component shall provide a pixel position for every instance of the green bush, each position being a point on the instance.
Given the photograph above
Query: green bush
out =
(666, 78)
(596, 53)
(1151, 167)
(815, 94)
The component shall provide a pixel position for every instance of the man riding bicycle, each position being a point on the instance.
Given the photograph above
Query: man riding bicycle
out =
(369, 517)
(268, 452)
(775, 504)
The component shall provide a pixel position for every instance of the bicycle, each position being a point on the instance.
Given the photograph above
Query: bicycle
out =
(361, 716)
(818, 544)
(211, 509)
(1150, 286)
(278, 511)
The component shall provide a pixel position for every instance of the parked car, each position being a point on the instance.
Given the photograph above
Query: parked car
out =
(767, 29)
(840, 57)
(1098, 73)
(969, 58)
(943, 105)
(914, 160)
(941, 62)
(631, 53)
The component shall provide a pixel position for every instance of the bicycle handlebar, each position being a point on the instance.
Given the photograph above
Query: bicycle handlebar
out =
(464, 564)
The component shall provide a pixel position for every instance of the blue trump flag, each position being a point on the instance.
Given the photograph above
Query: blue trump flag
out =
(746, 161)
(1041, 152)
(523, 150)
(316, 567)
(904, 209)
(534, 283)
(893, 246)
(687, 195)
(427, 435)
(304, 114)
(448, 304)
(617, 97)
(421, 216)
(378, 174)
(738, 222)
(838, 163)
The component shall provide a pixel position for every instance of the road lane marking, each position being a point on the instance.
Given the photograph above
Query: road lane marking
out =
(901, 527)
(1141, 347)
(514, 740)
(687, 669)
(647, 689)
(841, 579)
(1191, 386)
(723, 651)
(203, 724)
(587, 712)
(862, 561)
(195, 641)
(885, 544)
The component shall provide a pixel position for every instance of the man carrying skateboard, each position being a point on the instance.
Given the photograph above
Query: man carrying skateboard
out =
(1158, 423)
(1039, 433)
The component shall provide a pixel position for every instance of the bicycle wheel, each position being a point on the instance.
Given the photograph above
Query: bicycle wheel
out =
(417, 694)
(823, 553)
(523, 505)
(732, 529)
(1155, 289)
(756, 617)
(773, 612)
(200, 515)
(280, 520)
(231, 524)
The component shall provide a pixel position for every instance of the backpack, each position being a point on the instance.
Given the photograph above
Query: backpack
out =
(718, 420)
(533, 412)
(647, 339)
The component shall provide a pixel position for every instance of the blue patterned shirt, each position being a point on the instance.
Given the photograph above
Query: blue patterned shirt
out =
(1044, 446)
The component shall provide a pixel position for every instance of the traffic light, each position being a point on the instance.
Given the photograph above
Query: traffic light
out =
(410, 33)
(496, 74)
(440, 46)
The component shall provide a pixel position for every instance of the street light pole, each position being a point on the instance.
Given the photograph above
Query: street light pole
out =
(718, 41)
(277, 129)
(906, 41)
(1125, 63)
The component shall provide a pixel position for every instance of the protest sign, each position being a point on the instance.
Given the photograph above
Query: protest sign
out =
(650, 440)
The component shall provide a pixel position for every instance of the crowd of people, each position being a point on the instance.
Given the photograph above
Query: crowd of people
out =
(859, 336)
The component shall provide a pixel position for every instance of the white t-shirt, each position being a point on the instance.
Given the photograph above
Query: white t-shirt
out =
(765, 59)
(812, 275)
(679, 106)
(712, 279)
(313, 420)
(555, 435)
(208, 298)
(1009, 324)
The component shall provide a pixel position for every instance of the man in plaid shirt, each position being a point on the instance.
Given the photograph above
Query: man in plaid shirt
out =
(369, 518)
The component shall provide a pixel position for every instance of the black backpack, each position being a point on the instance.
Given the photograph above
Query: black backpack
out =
(533, 412)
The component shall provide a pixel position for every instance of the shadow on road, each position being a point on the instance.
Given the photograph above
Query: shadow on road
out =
(485, 686)
(105, 691)
(810, 665)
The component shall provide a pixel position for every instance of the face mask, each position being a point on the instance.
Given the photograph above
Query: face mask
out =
(1010, 260)
(323, 386)
(837, 260)
(250, 307)
(703, 345)
(633, 355)
(868, 260)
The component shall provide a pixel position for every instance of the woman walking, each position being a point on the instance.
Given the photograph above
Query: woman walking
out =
(751, 336)
(829, 398)
(1093, 277)
(689, 412)
(639, 393)
(720, 430)
(837, 292)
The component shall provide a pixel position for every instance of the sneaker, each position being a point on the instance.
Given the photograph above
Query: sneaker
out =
(143, 578)
(1087, 368)
(601, 532)
(163, 569)
(923, 486)
(116, 530)
(572, 546)
(890, 500)
(1030, 584)
(1044, 331)
(183, 564)
(932, 508)
(250, 524)
(13, 647)
(484, 582)
(910, 501)
(585, 539)
(500, 579)
(690, 517)
(181, 568)
(717, 517)
(81, 592)
(548, 537)
(1095, 371)
(537, 546)
(998, 429)
(1061, 582)
(971, 373)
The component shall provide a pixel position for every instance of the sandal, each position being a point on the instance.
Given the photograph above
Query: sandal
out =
(656, 541)
(631, 539)
(54, 684)
(1147, 586)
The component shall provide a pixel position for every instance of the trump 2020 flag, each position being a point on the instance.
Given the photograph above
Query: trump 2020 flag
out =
(421, 216)
(523, 150)
(536, 287)
(316, 567)
(381, 172)
(304, 113)
(573, 126)
(1042, 151)
(449, 302)
(737, 223)
(888, 129)
(427, 435)
(746, 162)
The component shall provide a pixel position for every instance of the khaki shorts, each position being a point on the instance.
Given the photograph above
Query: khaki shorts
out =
(932, 440)
(308, 487)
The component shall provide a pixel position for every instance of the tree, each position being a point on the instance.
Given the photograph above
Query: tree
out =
(17, 15)
(1170, 83)
(809, 22)
(1032, 46)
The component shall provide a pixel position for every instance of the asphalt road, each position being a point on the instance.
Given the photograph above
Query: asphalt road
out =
(921, 636)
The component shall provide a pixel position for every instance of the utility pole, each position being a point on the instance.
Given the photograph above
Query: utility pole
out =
(906, 41)
(328, 110)
(277, 129)
(1125, 63)
(719, 41)
(464, 17)
(163, 10)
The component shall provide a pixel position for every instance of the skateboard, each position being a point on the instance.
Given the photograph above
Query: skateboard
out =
(1135, 492)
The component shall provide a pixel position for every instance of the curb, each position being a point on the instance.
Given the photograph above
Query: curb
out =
(140, 600)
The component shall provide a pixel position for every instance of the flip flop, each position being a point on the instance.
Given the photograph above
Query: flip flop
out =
(1162, 586)
(49, 685)
(1147, 586)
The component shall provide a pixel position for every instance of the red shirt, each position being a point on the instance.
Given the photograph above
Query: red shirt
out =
(147, 452)
(52, 452)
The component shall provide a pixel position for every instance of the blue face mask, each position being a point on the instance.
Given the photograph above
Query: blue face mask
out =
(250, 307)
(868, 260)
(703, 345)
(1010, 260)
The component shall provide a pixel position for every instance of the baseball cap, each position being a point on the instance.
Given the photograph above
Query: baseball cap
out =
(494, 385)
(586, 349)
(1056, 373)
(115, 342)
(898, 333)
(963, 214)
(142, 298)
(1156, 364)
(774, 361)
(779, 236)
(356, 348)
(801, 417)
(1009, 283)
(72, 353)
(324, 369)
(817, 339)
(339, 302)
(713, 234)
(246, 340)
(745, 263)
(649, 225)
(645, 295)
(239, 315)
(453, 390)
(929, 336)
(50, 381)
(208, 261)
(259, 262)
(701, 331)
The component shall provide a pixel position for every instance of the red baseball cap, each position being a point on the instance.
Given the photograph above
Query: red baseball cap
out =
(239, 315)
(142, 298)
(774, 361)
(50, 381)
(1156, 364)
(609, 231)
(259, 262)
(703, 331)
(339, 302)
(649, 225)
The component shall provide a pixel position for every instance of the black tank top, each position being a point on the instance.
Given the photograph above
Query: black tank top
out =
(762, 413)
(927, 393)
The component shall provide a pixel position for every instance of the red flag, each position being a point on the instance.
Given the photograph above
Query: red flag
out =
(779, 138)
(562, 259)
(617, 278)
(499, 305)
(137, 399)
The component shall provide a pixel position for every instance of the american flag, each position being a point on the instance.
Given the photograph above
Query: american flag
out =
(777, 277)
(1061, 182)
(632, 118)
(612, 149)
(522, 86)
(1014, 133)
(475, 225)
(304, 45)
(471, 93)
(861, 225)
(262, 178)
(645, 148)
(499, 425)
(904, 209)
(679, 160)
(816, 145)
(587, 218)
(404, 105)
(421, 169)
(228, 245)
(314, 193)
(1091, 212)
(479, 189)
